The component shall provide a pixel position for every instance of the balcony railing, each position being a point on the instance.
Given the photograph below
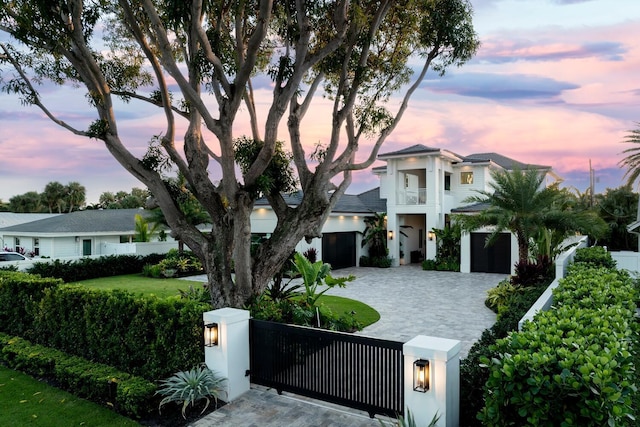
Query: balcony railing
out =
(408, 196)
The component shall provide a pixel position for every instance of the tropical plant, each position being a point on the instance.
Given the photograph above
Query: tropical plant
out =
(410, 421)
(54, 196)
(359, 54)
(143, 230)
(632, 159)
(317, 274)
(375, 234)
(618, 207)
(189, 387)
(520, 203)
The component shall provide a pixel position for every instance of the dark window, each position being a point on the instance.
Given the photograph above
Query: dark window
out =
(447, 182)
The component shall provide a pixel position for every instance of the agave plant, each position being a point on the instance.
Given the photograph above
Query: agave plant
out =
(189, 387)
(411, 422)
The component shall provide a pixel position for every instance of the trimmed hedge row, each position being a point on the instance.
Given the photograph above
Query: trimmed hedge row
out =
(573, 365)
(92, 268)
(144, 336)
(127, 394)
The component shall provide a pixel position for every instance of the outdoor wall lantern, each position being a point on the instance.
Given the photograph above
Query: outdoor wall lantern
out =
(421, 375)
(211, 335)
(390, 235)
(431, 235)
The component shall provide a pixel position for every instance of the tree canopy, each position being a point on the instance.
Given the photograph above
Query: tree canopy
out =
(519, 202)
(356, 54)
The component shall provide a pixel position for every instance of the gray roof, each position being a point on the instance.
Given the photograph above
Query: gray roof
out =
(373, 201)
(502, 161)
(87, 221)
(367, 202)
(414, 149)
(476, 207)
(8, 219)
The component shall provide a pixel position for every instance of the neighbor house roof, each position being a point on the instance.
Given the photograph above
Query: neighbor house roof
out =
(87, 221)
(502, 161)
(8, 219)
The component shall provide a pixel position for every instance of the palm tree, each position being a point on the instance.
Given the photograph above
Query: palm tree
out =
(521, 204)
(375, 234)
(632, 160)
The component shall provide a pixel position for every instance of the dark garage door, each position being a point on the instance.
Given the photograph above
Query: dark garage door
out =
(492, 259)
(339, 249)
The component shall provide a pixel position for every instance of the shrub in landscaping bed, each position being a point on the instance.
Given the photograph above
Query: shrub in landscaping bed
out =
(574, 364)
(175, 264)
(377, 261)
(595, 256)
(127, 394)
(91, 268)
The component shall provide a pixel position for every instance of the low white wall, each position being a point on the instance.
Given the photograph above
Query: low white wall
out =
(627, 260)
(137, 248)
(546, 299)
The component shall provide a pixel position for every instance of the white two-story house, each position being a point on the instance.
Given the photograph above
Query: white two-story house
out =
(423, 186)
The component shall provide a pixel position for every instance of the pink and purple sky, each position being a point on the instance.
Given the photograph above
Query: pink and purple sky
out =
(555, 82)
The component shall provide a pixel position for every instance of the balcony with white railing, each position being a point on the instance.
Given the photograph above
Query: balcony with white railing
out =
(412, 196)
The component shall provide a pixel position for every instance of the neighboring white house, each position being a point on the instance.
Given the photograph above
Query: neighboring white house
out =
(420, 187)
(80, 233)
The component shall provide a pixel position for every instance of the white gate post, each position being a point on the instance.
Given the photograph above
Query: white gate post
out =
(230, 358)
(443, 396)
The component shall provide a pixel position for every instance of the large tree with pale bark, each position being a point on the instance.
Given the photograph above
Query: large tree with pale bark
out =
(355, 53)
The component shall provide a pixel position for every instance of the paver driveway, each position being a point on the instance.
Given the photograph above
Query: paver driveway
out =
(413, 302)
(410, 302)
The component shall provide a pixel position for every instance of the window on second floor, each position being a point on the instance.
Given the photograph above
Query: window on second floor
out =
(447, 182)
(466, 177)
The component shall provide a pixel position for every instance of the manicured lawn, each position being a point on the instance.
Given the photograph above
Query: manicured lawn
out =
(364, 313)
(26, 401)
(138, 284)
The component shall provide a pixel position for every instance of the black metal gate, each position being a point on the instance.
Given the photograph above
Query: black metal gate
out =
(350, 370)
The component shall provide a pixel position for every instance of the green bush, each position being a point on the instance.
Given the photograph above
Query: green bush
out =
(146, 336)
(91, 268)
(175, 264)
(596, 256)
(573, 365)
(127, 394)
(378, 261)
(20, 294)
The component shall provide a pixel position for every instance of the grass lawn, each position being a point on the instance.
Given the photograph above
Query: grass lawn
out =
(139, 284)
(26, 401)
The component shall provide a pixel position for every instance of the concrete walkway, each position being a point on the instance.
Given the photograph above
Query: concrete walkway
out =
(410, 302)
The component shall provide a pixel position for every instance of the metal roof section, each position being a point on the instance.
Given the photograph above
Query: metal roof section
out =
(86, 221)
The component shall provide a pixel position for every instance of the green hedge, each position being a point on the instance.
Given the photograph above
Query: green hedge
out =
(145, 336)
(20, 294)
(91, 268)
(573, 365)
(127, 394)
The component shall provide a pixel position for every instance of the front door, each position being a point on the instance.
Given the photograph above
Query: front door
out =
(86, 247)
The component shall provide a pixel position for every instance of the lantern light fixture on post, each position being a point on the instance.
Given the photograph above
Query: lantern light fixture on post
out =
(211, 334)
(421, 375)
(390, 234)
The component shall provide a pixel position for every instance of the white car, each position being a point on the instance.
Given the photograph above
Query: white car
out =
(14, 259)
(12, 256)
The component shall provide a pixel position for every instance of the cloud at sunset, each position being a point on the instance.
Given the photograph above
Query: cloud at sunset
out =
(554, 82)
